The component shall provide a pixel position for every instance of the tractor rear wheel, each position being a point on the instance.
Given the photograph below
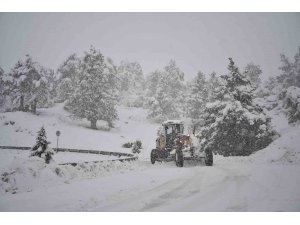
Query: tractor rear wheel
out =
(209, 158)
(179, 159)
(153, 156)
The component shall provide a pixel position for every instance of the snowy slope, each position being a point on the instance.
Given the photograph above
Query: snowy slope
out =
(265, 181)
(131, 126)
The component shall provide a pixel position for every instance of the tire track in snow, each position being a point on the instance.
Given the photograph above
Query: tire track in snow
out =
(203, 186)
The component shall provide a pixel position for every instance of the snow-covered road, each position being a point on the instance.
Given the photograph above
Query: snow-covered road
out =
(227, 186)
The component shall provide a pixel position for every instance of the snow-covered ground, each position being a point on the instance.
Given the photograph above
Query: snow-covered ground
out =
(265, 181)
(131, 126)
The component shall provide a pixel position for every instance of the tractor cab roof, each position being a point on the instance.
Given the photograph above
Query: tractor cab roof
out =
(171, 122)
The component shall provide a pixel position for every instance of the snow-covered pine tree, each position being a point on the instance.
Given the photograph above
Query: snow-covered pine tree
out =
(42, 88)
(253, 73)
(131, 75)
(267, 87)
(132, 83)
(94, 96)
(212, 85)
(233, 124)
(6, 85)
(23, 73)
(162, 108)
(197, 98)
(281, 92)
(41, 149)
(113, 79)
(290, 100)
(290, 75)
(30, 84)
(68, 74)
(1, 79)
(2, 87)
(152, 82)
(168, 101)
(289, 83)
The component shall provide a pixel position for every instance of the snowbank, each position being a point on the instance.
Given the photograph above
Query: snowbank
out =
(21, 173)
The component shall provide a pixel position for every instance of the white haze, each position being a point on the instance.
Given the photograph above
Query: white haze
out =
(197, 41)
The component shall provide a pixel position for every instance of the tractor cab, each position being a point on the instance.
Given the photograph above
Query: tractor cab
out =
(173, 130)
(168, 133)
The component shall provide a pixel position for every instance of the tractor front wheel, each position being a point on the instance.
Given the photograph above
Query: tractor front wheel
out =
(153, 156)
(179, 158)
(209, 158)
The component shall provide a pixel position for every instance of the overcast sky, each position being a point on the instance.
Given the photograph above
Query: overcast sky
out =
(196, 41)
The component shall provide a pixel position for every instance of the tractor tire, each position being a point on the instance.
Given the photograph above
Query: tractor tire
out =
(179, 159)
(153, 156)
(209, 158)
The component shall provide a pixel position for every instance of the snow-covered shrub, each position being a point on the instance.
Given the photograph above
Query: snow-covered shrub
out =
(127, 145)
(233, 124)
(41, 149)
(137, 145)
(291, 103)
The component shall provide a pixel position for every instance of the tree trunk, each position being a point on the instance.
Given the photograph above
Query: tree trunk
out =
(93, 124)
(21, 108)
(34, 106)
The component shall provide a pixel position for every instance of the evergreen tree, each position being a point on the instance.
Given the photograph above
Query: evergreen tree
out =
(6, 85)
(131, 75)
(233, 124)
(253, 73)
(278, 92)
(42, 89)
(152, 83)
(168, 101)
(68, 74)
(2, 87)
(40, 149)
(291, 103)
(290, 75)
(162, 107)
(30, 84)
(24, 73)
(94, 97)
(197, 98)
(132, 83)
(212, 86)
(1, 79)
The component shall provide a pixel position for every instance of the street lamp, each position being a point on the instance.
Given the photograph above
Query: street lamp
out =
(57, 135)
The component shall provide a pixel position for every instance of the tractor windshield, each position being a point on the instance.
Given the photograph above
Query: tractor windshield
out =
(174, 129)
(179, 128)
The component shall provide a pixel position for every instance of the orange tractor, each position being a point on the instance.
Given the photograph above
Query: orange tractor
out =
(173, 144)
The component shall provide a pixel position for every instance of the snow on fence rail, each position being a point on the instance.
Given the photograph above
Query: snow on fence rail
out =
(15, 147)
(112, 160)
(119, 154)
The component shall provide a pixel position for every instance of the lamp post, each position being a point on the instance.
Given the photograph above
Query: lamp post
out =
(57, 135)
